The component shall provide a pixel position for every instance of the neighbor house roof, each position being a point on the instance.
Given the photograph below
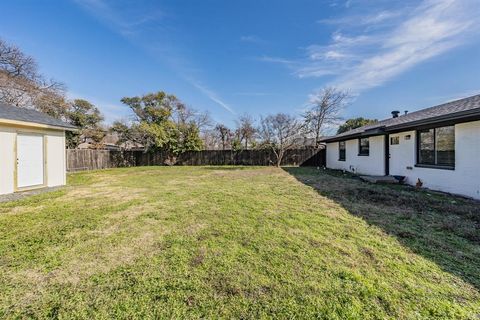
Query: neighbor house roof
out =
(18, 115)
(467, 109)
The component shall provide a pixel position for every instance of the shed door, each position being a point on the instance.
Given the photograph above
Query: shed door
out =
(30, 160)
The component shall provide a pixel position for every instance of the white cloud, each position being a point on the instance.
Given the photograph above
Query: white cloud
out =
(316, 71)
(127, 20)
(332, 54)
(366, 51)
(211, 95)
(278, 60)
(378, 18)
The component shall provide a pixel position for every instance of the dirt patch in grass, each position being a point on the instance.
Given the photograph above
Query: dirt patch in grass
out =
(121, 253)
(199, 257)
(112, 194)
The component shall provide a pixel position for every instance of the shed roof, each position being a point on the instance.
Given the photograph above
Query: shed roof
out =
(458, 110)
(8, 112)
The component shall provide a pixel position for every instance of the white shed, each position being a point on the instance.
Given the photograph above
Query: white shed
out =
(32, 150)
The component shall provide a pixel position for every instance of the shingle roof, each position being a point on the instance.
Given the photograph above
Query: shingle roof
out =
(28, 115)
(443, 111)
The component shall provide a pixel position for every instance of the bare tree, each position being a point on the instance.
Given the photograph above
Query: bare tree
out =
(324, 111)
(182, 114)
(15, 63)
(224, 135)
(53, 104)
(210, 139)
(22, 85)
(280, 132)
(246, 130)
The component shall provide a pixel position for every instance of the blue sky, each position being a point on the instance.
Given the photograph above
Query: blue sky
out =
(254, 56)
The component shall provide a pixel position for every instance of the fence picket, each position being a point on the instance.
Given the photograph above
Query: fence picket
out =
(88, 159)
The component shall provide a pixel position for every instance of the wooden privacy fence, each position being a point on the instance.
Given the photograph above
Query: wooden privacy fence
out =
(86, 159)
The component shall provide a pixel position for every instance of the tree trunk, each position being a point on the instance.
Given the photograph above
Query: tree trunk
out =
(279, 158)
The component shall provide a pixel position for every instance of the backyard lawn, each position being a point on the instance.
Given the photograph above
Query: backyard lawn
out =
(238, 242)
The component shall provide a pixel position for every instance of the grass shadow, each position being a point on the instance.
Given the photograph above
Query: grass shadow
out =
(442, 228)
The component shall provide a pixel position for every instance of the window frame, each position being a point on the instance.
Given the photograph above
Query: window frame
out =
(360, 152)
(435, 165)
(344, 158)
(395, 140)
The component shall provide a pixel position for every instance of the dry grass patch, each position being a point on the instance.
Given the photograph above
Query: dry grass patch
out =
(236, 242)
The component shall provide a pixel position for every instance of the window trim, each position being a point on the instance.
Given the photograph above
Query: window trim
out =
(360, 154)
(432, 166)
(345, 151)
(397, 140)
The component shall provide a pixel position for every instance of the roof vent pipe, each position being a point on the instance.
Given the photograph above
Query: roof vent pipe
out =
(395, 114)
(406, 112)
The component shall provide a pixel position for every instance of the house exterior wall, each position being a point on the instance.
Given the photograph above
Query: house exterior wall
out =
(464, 180)
(374, 164)
(55, 173)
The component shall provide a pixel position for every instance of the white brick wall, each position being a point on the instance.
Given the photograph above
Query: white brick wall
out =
(374, 164)
(464, 180)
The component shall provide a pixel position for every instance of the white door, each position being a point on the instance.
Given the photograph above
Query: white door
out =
(30, 160)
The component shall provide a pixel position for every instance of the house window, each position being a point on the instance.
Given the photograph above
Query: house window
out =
(342, 151)
(436, 147)
(363, 147)
(394, 140)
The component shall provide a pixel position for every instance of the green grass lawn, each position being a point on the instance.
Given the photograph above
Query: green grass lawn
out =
(234, 242)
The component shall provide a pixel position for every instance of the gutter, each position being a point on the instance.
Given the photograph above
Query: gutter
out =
(448, 119)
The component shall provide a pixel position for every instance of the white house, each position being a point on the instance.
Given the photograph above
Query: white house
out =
(32, 150)
(438, 147)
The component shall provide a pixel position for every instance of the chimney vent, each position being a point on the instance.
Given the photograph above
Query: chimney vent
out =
(395, 114)
(406, 112)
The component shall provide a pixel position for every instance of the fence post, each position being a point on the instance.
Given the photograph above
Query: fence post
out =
(78, 160)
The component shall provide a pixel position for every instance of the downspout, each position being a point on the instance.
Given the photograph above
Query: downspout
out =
(387, 154)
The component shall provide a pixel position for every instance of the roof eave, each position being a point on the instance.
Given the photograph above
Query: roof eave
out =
(367, 133)
(448, 119)
(35, 125)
